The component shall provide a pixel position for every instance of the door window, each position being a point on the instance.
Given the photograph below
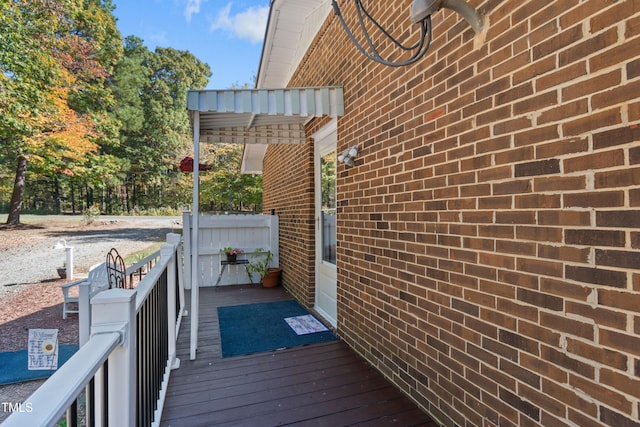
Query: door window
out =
(328, 206)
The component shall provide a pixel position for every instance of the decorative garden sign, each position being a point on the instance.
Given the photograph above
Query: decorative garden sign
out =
(43, 349)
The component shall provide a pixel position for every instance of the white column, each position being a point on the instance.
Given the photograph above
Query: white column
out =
(195, 290)
(169, 251)
(84, 312)
(186, 235)
(69, 252)
(116, 309)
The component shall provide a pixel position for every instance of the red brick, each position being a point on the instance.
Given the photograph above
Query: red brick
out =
(620, 341)
(617, 54)
(616, 380)
(554, 44)
(567, 217)
(592, 85)
(598, 276)
(566, 361)
(594, 161)
(618, 136)
(566, 183)
(602, 199)
(495, 197)
(591, 122)
(599, 315)
(569, 326)
(618, 178)
(616, 419)
(623, 219)
(595, 237)
(560, 147)
(602, 394)
(569, 396)
(561, 75)
(619, 299)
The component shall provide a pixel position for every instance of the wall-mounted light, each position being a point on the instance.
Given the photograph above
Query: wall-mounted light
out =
(349, 155)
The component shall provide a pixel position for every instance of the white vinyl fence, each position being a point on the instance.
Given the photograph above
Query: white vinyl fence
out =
(247, 232)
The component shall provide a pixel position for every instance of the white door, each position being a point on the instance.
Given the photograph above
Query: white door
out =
(325, 212)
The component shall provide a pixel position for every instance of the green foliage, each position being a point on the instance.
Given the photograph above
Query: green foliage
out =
(101, 121)
(91, 213)
(27, 68)
(260, 263)
(225, 189)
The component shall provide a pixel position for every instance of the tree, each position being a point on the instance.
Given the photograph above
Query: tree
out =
(224, 188)
(26, 72)
(151, 92)
(55, 58)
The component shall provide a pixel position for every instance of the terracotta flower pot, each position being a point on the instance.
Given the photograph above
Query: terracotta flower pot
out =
(272, 279)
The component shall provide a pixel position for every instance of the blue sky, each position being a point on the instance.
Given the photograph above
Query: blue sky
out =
(227, 35)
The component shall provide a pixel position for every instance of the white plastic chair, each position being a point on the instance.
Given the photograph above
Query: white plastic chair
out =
(97, 280)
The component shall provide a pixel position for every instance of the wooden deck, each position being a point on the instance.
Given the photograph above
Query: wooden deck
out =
(321, 384)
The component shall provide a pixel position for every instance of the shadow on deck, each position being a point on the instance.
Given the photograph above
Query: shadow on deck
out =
(323, 384)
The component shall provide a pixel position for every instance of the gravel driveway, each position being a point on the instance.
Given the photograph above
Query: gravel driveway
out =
(29, 283)
(27, 255)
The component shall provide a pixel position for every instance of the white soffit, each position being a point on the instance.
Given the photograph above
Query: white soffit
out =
(262, 116)
(252, 158)
(292, 26)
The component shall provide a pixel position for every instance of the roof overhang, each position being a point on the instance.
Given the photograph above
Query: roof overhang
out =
(291, 28)
(261, 116)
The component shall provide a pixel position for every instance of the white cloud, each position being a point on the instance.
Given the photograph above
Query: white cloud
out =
(193, 7)
(247, 25)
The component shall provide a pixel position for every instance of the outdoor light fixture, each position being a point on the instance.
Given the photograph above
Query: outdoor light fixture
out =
(421, 11)
(62, 244)
(348, 156)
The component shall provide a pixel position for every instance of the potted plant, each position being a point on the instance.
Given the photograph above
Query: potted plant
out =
(231, 253)
(62, 271)
(260, 264)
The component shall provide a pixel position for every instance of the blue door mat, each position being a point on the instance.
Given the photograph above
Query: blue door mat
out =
(13, 365)
(255, 328)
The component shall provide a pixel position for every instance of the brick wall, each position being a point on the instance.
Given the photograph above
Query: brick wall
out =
(289, 193)
(489, 233)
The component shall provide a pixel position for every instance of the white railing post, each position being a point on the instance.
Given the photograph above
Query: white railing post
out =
(186, 233)
(176, 239)
(116, 309)
(168, 251)
(84, 312)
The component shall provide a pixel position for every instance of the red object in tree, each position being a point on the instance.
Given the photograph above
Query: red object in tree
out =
(186, 165)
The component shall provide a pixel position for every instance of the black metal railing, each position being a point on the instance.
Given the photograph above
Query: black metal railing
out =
(153, 350)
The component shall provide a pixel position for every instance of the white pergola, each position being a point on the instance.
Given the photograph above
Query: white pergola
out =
(249, 116)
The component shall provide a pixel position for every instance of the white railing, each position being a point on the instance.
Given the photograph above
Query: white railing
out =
(125, 365)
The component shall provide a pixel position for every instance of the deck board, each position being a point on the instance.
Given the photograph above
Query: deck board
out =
(323, 384)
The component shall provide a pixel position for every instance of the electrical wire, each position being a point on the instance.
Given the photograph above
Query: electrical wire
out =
(420, 47)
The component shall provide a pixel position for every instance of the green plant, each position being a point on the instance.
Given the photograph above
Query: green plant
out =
(142, 254)
(231, 251)
(260, 263)
(91, 213)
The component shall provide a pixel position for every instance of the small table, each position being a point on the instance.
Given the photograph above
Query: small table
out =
(225, 263)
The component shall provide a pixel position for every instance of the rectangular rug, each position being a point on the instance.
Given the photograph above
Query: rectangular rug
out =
(256, 328)
(14, 365)
(306, 324)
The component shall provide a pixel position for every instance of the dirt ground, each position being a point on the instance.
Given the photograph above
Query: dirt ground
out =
(27, 304)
